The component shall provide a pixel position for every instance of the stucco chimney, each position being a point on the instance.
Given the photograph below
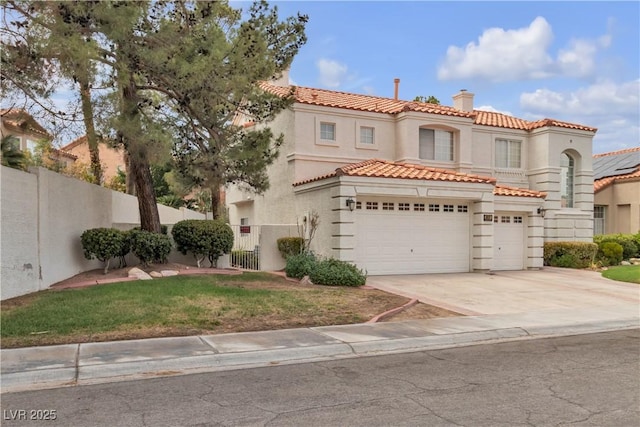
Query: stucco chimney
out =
(463, 100)
(396, 83)
(282, 80)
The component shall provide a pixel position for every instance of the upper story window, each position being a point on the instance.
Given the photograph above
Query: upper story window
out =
(508, 154)
(328, 131)
(32, 145)
(367, 135)
(567, 164)
(436, 145)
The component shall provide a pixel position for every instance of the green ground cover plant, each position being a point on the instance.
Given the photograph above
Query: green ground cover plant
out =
(623, 273)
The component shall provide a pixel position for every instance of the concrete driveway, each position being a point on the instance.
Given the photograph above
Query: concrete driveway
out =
(513, 291)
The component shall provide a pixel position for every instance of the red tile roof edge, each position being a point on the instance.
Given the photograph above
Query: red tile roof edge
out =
(504, 190)
(603, 183)
(613, 153)
(307, 95)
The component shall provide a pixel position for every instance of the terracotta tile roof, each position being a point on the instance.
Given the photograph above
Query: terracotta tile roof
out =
(78, 141)
(376, 104)
(605, 182)
(503, 190)
(63, 153)
(615, 153)
(376, 168)
(20, 119)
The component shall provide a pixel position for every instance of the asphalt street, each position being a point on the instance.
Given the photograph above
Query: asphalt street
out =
(586, 380)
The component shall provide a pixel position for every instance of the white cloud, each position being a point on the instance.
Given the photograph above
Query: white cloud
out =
(606, 105)
(505, 55)
(502, 55)
(331, 72)
(578, 60)
(492, 109)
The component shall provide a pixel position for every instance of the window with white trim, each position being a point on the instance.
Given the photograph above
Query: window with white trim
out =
(567, 165)
(517, 220)
(434, 208)
(508, 153)
(435, 144)
(404, 206)
(599, 217)
(418, 207)
(463, 208)
(328, 131)
(447, 208)
(372, 206)
(387, 206)
(367, 135)
(505, 219)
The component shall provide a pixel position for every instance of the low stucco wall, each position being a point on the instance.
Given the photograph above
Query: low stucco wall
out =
(43, 215)
(270, 258)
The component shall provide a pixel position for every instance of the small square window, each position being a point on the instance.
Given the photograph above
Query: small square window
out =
(387, 206)
(418, 207)
(404, 206)
(358, 205)
(372, 206)
(496, 218)
(447, 208)
(463, 208)
(367, 135)
(434, 208)
(505, 219)
(517, 220)
(328, 131)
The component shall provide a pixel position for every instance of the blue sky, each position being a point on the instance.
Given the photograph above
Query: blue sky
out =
(572, 61)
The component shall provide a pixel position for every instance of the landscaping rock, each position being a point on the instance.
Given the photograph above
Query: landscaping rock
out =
(625, 263)
(167, 273)
(306, 281)
(139, 274)
(634, 261)
(155, 274)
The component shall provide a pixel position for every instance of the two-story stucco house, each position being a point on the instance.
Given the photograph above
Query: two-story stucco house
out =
(405, 187)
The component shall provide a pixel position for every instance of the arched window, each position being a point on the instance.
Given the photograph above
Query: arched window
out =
(566, 180)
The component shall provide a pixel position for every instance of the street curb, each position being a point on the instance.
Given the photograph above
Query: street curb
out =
(86, 373)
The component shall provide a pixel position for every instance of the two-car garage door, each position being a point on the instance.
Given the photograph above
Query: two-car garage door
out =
(396, 236)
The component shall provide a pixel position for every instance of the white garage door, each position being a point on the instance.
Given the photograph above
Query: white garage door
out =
(508, 241)
(395, 236)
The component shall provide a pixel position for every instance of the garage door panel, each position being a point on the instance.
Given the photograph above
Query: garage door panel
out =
(413, 241)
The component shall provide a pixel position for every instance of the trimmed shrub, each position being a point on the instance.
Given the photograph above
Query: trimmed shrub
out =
(610, 253)
(150, 247)
(627, 241)
(164, 229)
(203, 238)
(300, 265)
(570, 254)
(333, 272)
(289, 246)
(104, 244)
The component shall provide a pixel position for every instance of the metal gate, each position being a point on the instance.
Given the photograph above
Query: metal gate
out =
(246, 247)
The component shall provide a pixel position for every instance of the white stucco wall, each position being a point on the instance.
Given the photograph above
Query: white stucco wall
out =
(19, 261)
(43, 216)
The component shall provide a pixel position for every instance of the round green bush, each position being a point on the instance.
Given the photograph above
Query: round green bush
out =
(333, 272)
(203, 238)
(104, 244)
(300, 265)
(610, 253)
(289, 246)
(150, 247)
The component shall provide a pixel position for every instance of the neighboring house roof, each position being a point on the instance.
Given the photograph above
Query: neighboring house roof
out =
(22, 120)
(63, 153)
(622, 165)
(352, 101)
(78, 141)
(376, 168)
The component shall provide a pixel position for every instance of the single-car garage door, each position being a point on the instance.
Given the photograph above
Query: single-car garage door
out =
(508, 241)
(396, 236)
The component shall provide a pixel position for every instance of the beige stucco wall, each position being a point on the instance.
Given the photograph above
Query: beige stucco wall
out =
(110, 159)
(622, 201)
(43, 215)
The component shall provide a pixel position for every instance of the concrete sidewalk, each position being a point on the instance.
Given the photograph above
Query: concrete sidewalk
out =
(79, 364)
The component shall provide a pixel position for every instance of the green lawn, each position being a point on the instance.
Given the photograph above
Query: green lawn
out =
(623, 273)
(182, 305)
